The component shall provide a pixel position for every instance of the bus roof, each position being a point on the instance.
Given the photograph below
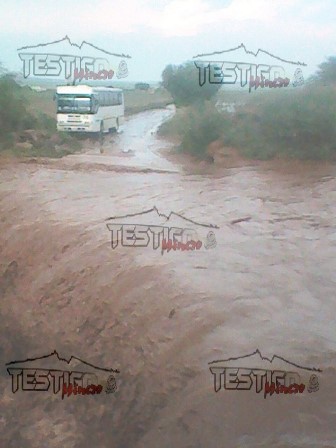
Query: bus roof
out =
(83, 89)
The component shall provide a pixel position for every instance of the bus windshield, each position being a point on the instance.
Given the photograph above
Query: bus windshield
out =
(74, 103)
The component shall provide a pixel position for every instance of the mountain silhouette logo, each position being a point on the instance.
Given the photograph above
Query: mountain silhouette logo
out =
(64, 57)
(162, 215)
(51, 357)
(67, 40)
(256, 355)
(248, 52)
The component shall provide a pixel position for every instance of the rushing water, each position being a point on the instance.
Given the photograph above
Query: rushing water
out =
(269, 284)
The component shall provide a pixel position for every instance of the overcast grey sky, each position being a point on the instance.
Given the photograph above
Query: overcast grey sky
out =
(156, 33)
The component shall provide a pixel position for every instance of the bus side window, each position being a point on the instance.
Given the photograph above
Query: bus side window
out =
(119, 98)
(110, 99)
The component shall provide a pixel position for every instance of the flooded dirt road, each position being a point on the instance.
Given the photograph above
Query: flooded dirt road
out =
(269, 284)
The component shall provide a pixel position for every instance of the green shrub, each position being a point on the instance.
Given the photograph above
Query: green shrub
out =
(196, 126)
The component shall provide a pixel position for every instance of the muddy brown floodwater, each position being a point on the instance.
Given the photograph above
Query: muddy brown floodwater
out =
(269, 284)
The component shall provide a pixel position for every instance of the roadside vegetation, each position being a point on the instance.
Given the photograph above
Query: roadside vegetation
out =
(27, 129)
(294, 124)
(297, 123)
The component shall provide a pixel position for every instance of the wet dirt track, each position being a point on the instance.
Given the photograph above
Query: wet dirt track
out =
(268, 284)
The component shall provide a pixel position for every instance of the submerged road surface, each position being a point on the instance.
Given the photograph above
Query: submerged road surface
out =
(268, 285)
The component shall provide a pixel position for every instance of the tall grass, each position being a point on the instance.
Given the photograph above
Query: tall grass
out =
(299, 124)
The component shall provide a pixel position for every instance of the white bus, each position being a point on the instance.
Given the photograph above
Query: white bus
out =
(89, 109)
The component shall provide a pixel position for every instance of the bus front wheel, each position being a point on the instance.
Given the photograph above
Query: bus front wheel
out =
(117, 125)
(101, 135)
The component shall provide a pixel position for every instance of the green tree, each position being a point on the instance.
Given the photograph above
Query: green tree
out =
(182, 82)
(327, 71)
